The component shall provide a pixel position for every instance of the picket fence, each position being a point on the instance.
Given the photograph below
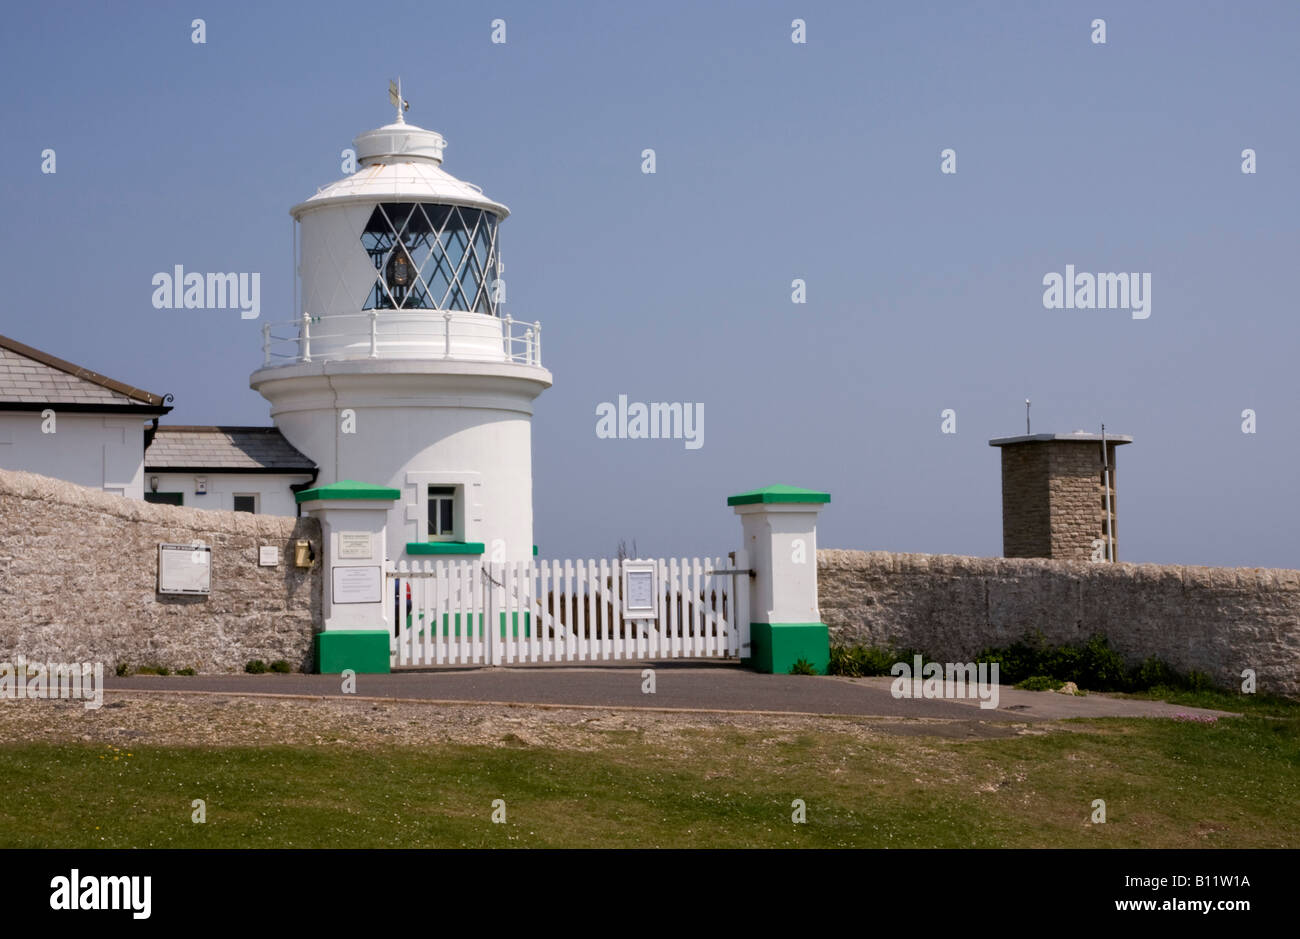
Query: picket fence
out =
(443, 612)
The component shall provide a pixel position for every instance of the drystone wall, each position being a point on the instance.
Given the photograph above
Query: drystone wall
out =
(79, 579)
(1218, 621)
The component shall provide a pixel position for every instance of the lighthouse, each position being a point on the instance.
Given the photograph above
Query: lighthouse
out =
(401, 368)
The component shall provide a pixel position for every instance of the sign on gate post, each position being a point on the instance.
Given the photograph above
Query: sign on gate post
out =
(780, 525)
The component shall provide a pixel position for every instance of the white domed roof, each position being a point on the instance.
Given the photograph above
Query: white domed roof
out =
(401, 163)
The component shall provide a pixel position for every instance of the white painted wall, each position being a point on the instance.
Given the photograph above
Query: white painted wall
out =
(274, 495)
(784, 588)
(419, 424)
(102, 451)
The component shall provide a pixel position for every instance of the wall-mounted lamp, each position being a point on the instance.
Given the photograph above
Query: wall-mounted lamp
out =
(153, 483)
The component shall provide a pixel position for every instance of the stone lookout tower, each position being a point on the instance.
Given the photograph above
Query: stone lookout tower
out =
(402, 369)
(1058, 496)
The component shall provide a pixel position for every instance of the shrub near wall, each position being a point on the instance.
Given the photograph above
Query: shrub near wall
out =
(1218, 621)
(78, 582)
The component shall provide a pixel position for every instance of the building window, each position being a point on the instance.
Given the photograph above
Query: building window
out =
(432, 257)
(246, 503)
(442, 513)
(165, 498)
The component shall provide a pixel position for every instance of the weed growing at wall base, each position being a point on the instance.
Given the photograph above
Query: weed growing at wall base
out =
(1092, 664)
(1033, 664)
(865, 661)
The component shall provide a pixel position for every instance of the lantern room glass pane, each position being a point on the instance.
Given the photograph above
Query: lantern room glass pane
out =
(431, 257)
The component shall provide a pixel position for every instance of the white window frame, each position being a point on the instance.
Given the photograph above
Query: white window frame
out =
(467, 518)
(456, 498)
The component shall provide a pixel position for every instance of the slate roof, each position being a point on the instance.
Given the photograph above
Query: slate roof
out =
(233, 449)
(30, 377)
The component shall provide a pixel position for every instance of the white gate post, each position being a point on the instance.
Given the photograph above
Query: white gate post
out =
(353, 518)
(780, 526)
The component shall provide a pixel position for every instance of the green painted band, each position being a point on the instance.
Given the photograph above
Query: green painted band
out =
(357, 650)
(349, 489)
(773, 495)
(444, 547)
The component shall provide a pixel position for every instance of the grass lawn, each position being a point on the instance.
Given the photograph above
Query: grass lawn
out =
(1166, 783)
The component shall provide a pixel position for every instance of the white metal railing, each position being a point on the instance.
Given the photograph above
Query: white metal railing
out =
(379, 334)
(470, 612)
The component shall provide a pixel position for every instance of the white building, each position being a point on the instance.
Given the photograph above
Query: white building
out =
(402, 369)
(234, 469)
(62, 420)
(59, 419)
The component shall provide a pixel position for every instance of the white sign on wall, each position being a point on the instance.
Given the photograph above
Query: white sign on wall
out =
(640, 580)
(184, 569)
(355, 545)
(358, 584)
(268, 555)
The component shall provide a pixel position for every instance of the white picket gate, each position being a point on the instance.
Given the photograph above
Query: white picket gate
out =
(442, 612)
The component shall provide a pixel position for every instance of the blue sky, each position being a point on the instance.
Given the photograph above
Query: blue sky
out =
(775, 161)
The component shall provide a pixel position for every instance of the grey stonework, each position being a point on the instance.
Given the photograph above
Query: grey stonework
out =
(78, 579)
(1214, 620)
(1054, 500)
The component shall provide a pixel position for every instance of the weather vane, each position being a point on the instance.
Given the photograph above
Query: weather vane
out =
(396, 99)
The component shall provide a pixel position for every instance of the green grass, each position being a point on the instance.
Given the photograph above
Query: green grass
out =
(1235, 783)
(1262, 705)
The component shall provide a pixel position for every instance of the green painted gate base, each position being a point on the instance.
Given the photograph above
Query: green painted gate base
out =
(365, 651)
(777, 646)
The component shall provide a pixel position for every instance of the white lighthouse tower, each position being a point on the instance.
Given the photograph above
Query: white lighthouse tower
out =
(402, 369)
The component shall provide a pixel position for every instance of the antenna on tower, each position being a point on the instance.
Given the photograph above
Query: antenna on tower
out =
(1026, 417)
(396, 99)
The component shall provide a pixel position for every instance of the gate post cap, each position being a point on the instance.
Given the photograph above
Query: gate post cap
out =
(349, 489)
(777, 495)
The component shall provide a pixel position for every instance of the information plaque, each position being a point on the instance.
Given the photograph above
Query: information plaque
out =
(184, 569)
(355, 545)
(358, 584)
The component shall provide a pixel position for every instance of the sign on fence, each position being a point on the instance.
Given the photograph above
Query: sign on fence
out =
(639, 589)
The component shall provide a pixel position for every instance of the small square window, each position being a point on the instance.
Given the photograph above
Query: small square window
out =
(246, 503)
(442, 513)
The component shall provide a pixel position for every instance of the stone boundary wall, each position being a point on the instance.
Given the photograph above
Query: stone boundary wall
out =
(1215, 620)
(78, 582)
